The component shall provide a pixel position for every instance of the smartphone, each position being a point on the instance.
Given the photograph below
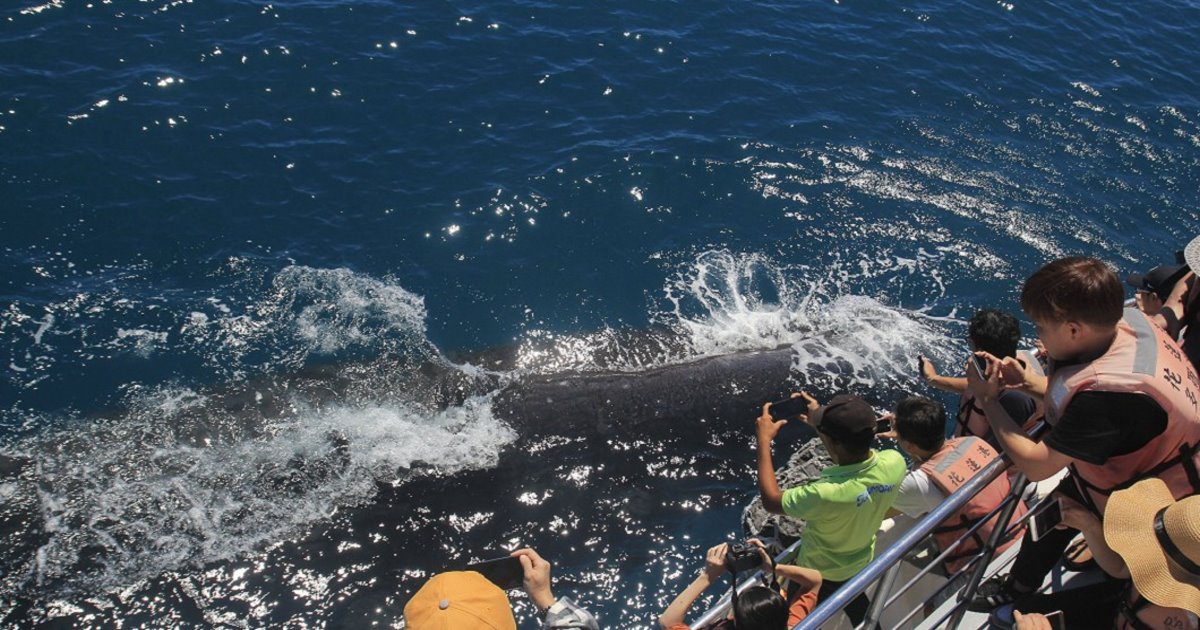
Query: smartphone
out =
(921, 366)
(1057, 619)
(1044, 519)
(789, 408)
(505, 572)
(981, 365)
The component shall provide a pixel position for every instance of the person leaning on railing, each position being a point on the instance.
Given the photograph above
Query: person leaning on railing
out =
(942, 466)
(1120, 398)
(756, 608)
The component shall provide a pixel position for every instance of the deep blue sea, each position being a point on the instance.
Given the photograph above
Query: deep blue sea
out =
(201, 195)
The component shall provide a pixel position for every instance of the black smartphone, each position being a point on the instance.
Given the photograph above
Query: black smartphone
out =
(1044, 519)
(789, 408)
(506, 572)
(1057, 619)
(921, 365)
(981, 365)
(883, 426)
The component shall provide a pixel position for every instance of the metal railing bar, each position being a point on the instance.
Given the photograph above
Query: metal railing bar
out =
(898, 594)
(989, 551)
(943, 587)
(948, 550)
(877, 603)
(894, 554)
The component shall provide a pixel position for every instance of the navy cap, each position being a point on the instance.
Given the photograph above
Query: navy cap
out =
(1159, 280)
(845, 416)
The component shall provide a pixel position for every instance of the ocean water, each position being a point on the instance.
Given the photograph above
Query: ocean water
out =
(212, 203)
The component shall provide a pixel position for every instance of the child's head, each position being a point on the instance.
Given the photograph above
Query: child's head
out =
(849, 423)
(995, 332)
(760, 608)
(920, 422)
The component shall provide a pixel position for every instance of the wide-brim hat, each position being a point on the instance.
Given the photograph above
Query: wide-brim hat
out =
(1191, 253)
(459, 600)
(1159, 539)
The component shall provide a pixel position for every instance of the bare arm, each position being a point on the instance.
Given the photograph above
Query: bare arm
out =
(1078, 517)
(1175, 302)
(766, 428)
(806, 579)
(1035, 459)
(768, 485)
(714, 566)
(952, 384)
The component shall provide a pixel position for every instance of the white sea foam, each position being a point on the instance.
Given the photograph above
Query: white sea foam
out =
(724, 302)
(727, 302)
(144, 500)
(184, 477)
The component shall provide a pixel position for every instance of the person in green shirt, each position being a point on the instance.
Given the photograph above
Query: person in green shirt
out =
(843, 508)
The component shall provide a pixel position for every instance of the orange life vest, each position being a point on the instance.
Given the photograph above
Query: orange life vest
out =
(1141, 360)
(1138, 613)
(972, 421)
(953, 465)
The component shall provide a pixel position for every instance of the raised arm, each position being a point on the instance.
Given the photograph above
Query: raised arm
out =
(1035, 459)
(766, 428)
(714, 567)
(952, 384)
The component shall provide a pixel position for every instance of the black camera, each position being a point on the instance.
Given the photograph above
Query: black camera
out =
(742, 558)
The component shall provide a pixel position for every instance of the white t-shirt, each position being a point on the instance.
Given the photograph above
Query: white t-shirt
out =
(918, 494)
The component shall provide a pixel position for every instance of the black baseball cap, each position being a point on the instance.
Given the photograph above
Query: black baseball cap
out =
(845, 416)
(1159, 280)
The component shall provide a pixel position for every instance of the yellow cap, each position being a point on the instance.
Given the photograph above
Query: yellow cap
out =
(459, 600)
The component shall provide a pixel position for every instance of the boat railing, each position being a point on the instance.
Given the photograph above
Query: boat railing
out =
(885, 568)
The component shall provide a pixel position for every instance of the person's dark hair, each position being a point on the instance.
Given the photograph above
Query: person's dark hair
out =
(921, 421)
(760, 608)
(996, 332)
(1076, 288)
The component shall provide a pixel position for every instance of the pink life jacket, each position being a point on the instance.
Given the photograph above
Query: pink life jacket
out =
(972, 421)
(1141, 360)
(953, 465)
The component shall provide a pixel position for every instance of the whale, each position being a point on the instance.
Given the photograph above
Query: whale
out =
(683, 400)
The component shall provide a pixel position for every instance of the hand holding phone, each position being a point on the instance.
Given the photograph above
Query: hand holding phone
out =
(789, 408)
(1045, 519)
(506, 572)
(981, 365)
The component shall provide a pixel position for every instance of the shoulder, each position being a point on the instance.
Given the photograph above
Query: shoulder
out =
(917, 494)
(892, 462)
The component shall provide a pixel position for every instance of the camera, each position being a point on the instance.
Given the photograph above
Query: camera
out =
(742, 558)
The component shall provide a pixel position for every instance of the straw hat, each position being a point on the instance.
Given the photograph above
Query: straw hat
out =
(459, 600)
(1191, 253)
(1159, 539)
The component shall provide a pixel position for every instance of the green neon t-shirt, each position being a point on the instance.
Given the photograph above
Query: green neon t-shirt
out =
(842, 510)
